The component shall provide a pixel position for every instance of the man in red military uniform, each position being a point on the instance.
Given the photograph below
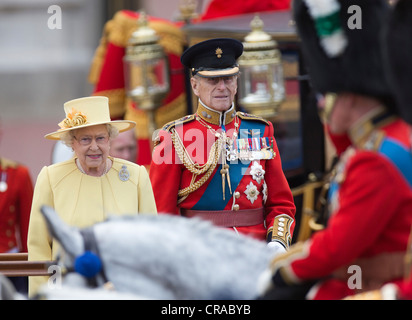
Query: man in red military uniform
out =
(398, 35)
(219, 164)
(16, 192)
(370, 195)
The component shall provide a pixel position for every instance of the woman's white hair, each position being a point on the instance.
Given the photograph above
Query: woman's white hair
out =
(67, 137)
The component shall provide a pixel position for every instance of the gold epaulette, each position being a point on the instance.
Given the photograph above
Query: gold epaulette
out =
(373, 142)
(168, 126)
(248, 116)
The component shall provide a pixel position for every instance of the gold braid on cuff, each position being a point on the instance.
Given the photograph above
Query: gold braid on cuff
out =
(281, 230)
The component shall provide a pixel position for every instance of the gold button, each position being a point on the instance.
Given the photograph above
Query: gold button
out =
(237, 194)
(236, 207)
(12, 208)
(9, 233)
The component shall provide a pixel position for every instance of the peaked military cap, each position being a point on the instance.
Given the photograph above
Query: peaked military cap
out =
(341, 58)
(213, 58)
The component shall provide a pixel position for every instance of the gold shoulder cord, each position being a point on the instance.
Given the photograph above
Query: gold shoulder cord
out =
(196, 169)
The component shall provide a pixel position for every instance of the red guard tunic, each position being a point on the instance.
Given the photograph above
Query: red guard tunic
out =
(16, 192)
(188, 176)
(220, 8)
(371, 215)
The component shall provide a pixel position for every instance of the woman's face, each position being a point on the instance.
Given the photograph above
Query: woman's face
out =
(91, 146)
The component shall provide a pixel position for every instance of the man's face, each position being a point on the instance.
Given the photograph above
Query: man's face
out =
(124, 146)
(216, 93)
(336, 111)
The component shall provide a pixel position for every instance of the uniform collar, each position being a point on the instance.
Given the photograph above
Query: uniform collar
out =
(362, 129)
(216, 117)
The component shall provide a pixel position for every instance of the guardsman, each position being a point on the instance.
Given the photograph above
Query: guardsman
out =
(219, 164)
(370, 197)
(398, 61)
(16, 193)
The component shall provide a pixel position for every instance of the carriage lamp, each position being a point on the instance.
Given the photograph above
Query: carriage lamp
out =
(146, 70)
(187, 10)
(261, 86)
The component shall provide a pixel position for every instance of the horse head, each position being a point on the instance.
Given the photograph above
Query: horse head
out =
(163, 256)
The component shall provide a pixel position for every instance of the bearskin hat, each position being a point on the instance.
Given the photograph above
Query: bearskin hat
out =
(341, 42)
(397, 46)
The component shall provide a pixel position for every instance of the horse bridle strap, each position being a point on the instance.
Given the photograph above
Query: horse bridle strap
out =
(91, 257)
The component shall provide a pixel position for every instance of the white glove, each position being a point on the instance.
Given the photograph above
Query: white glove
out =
(276, 247)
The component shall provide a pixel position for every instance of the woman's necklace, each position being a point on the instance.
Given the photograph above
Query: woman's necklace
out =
(106, 169)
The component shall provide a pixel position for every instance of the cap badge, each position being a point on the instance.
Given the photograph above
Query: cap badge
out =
(219, 53)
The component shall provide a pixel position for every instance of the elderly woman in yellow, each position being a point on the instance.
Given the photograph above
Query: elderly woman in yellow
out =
(92, 185)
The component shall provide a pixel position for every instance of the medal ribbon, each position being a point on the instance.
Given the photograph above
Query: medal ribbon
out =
(209, 199)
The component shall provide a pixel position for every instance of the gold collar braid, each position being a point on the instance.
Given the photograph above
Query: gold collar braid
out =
(361, 131)
(215, 117)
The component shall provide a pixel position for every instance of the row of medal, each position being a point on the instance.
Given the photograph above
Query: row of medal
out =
(250, 149)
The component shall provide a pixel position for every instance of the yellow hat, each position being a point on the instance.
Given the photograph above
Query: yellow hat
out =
(86, 112)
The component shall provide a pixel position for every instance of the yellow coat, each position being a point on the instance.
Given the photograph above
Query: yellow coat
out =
(82, 200)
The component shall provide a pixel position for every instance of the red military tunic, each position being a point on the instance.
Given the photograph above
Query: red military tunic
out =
(371, 215)
(16, 193)
(255, 185)
(220, 8)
